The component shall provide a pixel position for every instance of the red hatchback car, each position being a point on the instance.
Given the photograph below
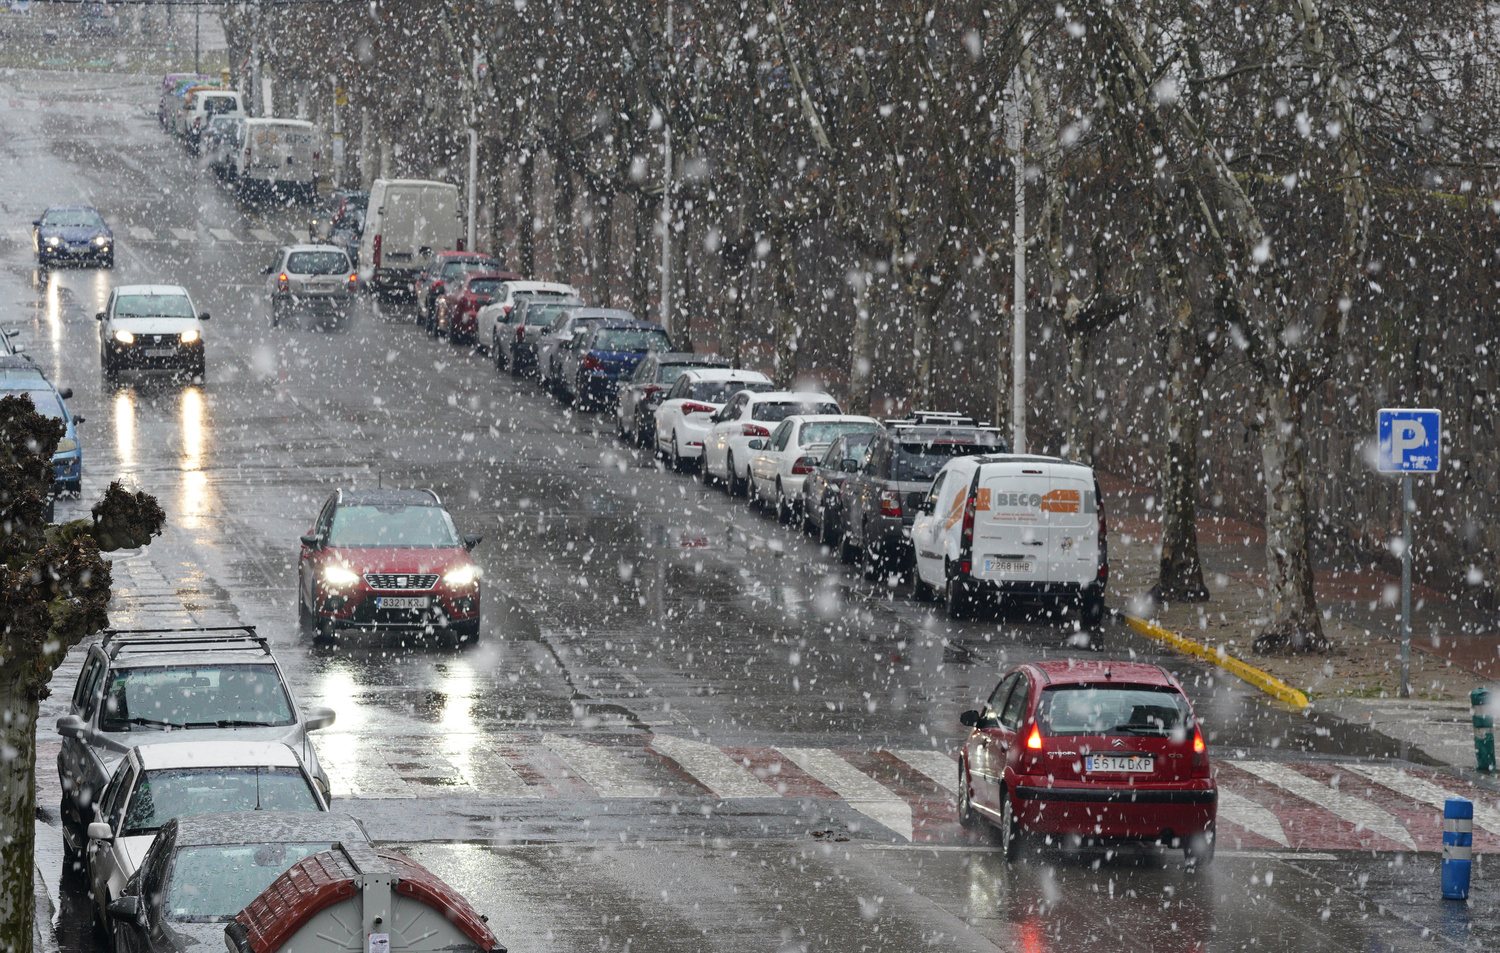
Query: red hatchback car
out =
(442, 269)
(388, 560)
(1095, 750)
(458, 307)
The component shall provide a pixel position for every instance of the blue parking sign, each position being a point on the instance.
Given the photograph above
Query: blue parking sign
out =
(1410, 440)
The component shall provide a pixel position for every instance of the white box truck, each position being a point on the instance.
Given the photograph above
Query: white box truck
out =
(407, 222)
(277, 158)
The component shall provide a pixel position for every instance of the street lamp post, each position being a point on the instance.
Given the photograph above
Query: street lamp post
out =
(666, 197)
(1015, 142)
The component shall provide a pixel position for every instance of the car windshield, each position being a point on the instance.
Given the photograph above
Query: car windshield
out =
(220, 104)
(1113, 710)
(776, 410)
(185, 792)
(317, 263)
(719, 392)
(455, 268)
(923, 460)
(637, 340)
(46, 401)
(547, 315)
(855, 447)
(215, 882)
(395, 527)
(195, 696)
(73, 218)
(485, 286)
(153, 306)
(830, 430)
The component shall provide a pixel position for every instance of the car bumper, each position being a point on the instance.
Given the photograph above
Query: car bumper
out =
(88, 252)
(690, 437)
(1019, 590)
(791, 485)
(317, 301)
(1117, 812)
(135, 356)
(523, 353)
(394, 279)
(67, 470)
(600, 387)
(361, 610)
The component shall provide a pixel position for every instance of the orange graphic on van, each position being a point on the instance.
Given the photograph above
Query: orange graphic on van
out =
(1062, 501)
(984, 498)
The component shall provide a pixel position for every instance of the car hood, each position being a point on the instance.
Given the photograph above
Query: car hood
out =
(156, 325)
(400, 560)
(145, 735)
(79, 233)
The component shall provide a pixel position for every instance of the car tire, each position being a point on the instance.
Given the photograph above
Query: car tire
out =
(1198, 849)
(871, 560)
(678, 464)
(920, 590)
(1010, 829)
(968, 818)
(805, 521)
(1093, 611)
(784, 509)
(109, 262)
(74, 488)
(848, 550)
(826, 536)
(956, 598)
(704, 477)
(733, 484)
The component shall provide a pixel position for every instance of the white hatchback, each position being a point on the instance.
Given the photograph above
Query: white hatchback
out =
(683, 419)
(780, 462)
(492, 315)
(747, 417)
(151, 327)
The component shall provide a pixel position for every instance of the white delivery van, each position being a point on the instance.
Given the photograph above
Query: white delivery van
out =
(1014, 528)
(407, 222)
(277, 157)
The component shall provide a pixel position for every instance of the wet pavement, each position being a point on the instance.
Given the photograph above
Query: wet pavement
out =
(683, 726)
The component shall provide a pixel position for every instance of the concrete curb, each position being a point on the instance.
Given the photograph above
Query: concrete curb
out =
(1264, 681)
(44, 934)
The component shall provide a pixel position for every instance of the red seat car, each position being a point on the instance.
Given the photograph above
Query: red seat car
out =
(441, 271)
(1092, 750)
(458, 307)
(384, 560)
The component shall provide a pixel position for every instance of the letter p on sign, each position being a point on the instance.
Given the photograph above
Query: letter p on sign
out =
(1410, 440)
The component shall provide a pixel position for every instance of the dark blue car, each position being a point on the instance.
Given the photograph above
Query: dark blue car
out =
(72, 233)
(19, 375)
(607, 354)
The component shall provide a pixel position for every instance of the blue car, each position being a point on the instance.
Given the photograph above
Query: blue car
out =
(19, 375)
(72, 233)
(606, 355)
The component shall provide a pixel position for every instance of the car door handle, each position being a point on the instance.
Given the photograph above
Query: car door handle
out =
(1033, 542)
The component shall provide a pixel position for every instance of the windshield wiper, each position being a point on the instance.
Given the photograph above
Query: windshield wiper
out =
(229, 723)
(1141, 729)
(138, 720)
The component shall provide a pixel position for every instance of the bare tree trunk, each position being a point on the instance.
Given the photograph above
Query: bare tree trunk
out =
(862, 348)
(921, 352)
(640, 260)
(17, 810)
(563, 258)
(1180, 577)
(1078, 390)
(788, 328)
(526, 213)
(736, 257)
(685, 294)
(604, 250)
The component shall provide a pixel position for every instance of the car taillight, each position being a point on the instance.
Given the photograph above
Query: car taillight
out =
(520, 333)
(376, 255)
(1034, 740)
(1200, 755)
(591, 363)
(804, 465)
(649, 390)
(353, 279)
(691, 408)
(966, 535)
(890, 503)
(282, 282)
(754, 430)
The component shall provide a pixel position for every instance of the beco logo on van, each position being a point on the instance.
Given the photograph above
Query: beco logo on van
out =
(1057, 501)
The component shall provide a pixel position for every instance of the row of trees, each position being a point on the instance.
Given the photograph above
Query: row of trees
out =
(1247, 227)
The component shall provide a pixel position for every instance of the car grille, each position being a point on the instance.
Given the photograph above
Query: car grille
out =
(401, 580)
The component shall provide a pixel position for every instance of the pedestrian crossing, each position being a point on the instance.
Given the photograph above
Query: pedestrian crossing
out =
(202, 235)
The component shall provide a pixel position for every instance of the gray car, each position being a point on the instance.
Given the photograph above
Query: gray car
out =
(551, 345)
(532, 317)
(147, 686)
(881, 498)
(635, 408)
(316, 280)
(201, 871)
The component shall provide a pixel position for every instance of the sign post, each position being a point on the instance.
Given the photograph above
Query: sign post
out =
(1410, 441)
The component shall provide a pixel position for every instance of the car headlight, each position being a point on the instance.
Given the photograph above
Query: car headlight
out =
(462, 576)
(124, 337)
(54, 240)
(100, 240)
(188, 337)
(336, 575)
(67, 445)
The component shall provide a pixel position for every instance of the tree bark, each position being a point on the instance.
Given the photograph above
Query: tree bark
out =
(1180, 576)
(604, 251)
(526, 213)
(17, 808)
(788, 330)
(563, 259)
(640, 261)
(862, 347)
(736, 255)
(1079, 388)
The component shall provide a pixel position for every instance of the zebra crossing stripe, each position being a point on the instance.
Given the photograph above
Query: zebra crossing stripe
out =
(932, 765)
(604, 771)
(141, 234)
(1424, 791)
(223, 235)
(1255, 818)
(185, 234)
(261, 235)
(712, 768)
(1356, 810)
(857, 789)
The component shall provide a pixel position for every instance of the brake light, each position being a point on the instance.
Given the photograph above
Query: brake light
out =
(691, 408)
(281, 281)
(890, 503)
(754, 430)
(1034, 740)
(520, 333)
(804, 465)
(375, 256)
(650, 389)
(353, 278)
(591, 363)
(460, 244)
(1200, 755)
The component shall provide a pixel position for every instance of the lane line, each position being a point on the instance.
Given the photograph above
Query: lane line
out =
(857, 789)
(141, 234)
(224, 235)
(1358, 811)
(712, 768)
(933, 765)
(1253, 817)
(185, 234)
(599, 766)
(1420, 789)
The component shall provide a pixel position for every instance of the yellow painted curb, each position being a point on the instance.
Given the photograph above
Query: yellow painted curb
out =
(1264, 681)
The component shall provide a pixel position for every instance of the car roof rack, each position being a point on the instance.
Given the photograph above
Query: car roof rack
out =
(217, 636)
(940, 417)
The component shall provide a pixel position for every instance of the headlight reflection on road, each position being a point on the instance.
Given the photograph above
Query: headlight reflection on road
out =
(339, 748)
(457, 719)
(124, 411)
(195, 498)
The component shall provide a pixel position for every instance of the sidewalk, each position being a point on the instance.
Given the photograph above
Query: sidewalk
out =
(1453, 650)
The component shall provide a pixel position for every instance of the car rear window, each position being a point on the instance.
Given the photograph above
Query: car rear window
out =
(187, 792)
(194, 696)
(485, 286)
(153, 306)
(780, 410)
(635, 340)
(719, 392)
(830, 430)
(220, 104)
(922, 461)
(395, 527)
(316, 263)
(547, 315)
(1149, 710)
(455, 268)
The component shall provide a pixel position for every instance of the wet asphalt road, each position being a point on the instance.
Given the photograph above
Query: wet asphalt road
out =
(624, 608)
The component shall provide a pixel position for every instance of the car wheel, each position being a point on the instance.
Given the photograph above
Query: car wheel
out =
(825, 527)
(920, 590)
(732, 481)
(1198, 849)
(304, 614)
(967, 816)
(678, 463)
(870, 560)
(848, 551)
(956, 598)
(704, 477)
(1010, 828)
(784, 509)
(515, 364)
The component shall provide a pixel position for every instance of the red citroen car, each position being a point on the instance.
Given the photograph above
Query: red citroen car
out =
(444, 268)
(1094, 750)
(458, 307)
(384, 560)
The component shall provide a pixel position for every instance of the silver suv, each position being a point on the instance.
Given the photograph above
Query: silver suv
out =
(317, 280)
(149, 686)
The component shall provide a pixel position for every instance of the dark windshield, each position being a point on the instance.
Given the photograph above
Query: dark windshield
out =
(826, 431)
(185, 792)
(1113, 710)
(402, 527)
(781, 410)
(153, 306)
(856, 447)
(317, 263)
(719, 392)
(485, 286)
(216, 882)
(456, 268)
(195, 696)
(73, 218)
(922, 461)
(633, 339)
(549, 314)
(220, 104)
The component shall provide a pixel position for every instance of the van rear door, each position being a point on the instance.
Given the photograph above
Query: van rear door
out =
(1011, 536)
(1072, 516)
(398, 226)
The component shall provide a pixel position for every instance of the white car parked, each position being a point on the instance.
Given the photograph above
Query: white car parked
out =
(1014, 527)
(682, 420)
(747, 417)
(492, 315)
(783, 460)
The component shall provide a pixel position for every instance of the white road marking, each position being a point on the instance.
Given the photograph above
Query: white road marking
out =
(1356, 810)
(489, 773)
(261, 235)
(600, 767)
(712, 768)
(933, 765)
(1420, 789)
(860, 791)
(141, 234)
(185, 234)
(223, 235)
(1253, 817)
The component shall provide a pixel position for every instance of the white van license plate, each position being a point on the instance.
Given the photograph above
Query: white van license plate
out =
(1009, 565)
(401, 602)
(1127, 763)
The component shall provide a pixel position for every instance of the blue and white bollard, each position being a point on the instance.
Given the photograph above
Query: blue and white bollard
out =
(1458, 847)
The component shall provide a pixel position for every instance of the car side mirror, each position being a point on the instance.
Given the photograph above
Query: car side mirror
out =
(268, 269)
(318, 718)
(128, 908)
(71, 726)
(849, 466)
(98, 830)
(66, 393)
(37, 222)
(311, 541)
(202, 315)
(99, 315)
(926, 508)
(969, 719)
(471, 541)
(76, 418)
(757, 444)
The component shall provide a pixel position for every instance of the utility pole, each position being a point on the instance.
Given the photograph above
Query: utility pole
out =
(473, 151)
(1015, 142)
(666, 191)
(197, 35)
